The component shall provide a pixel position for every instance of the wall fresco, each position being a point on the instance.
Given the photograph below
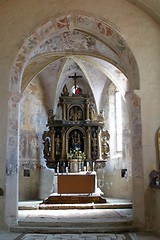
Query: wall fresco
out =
(32, 125)
(75, 20)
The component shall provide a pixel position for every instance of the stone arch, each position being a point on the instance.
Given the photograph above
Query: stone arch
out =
(109, 35)
(100, 28)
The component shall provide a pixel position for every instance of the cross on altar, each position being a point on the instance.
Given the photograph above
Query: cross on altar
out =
(75, 80)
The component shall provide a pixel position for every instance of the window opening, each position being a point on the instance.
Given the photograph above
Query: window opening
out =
(118, 109)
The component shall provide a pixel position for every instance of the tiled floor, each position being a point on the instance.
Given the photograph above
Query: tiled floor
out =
(125, 236)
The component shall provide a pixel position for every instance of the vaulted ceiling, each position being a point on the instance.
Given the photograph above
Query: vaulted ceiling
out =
(75, 52)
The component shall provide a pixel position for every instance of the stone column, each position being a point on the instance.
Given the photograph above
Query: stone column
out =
(87, 115)
(12, 164)
(63, 143)
(134, 106)
(99, 150)
(89, 143)
(52, 145)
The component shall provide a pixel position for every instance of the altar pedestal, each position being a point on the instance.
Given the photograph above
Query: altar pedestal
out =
(75, 188)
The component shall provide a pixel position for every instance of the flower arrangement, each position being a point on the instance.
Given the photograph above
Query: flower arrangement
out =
(76, 154)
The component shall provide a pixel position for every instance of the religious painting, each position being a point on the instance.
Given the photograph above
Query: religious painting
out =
(76, 140)
(32, 145)
(23, 145)
(75, 113)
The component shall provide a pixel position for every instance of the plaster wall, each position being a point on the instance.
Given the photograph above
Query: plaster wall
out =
(142, 35)
(110, 179)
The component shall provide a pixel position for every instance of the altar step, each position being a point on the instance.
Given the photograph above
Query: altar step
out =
(75, 226)
(85, 206)
(73, 199)
(71, 230)
(110, 204)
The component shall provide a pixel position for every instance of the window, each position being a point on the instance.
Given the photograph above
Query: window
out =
(118, 110)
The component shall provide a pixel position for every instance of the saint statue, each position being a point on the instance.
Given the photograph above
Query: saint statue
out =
(105, 145)
(58, 145)
(46, 147)
(65, 91)
(51, 116)
(94, 143)
(76, 140)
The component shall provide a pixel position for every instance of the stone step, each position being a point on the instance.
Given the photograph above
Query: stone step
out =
(84, 229)
(74, 222)
(76, 206)
(62, 199)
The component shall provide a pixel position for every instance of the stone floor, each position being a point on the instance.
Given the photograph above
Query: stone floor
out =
(125, 236)
(50, 217)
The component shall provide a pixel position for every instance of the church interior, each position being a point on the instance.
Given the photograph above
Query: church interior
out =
(80, 115)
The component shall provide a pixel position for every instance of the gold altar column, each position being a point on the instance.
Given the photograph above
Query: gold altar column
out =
(64, 111)
(89, 143)
(87, 115)
(63, 143)
(99, 153)
(52, 144)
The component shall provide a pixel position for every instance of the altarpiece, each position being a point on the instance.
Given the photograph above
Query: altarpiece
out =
(77, 143)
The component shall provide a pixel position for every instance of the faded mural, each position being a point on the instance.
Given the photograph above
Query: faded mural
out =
(33, 117)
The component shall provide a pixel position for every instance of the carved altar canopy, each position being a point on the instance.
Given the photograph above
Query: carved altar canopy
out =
(78, 137)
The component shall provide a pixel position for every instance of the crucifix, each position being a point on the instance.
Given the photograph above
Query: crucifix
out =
(75, 80)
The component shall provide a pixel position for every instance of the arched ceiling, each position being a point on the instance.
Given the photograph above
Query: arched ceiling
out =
(75, 52)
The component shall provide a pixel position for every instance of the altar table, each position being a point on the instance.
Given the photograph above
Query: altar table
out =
(76, 183)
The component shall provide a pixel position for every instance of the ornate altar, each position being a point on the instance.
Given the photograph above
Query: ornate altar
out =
(75, 146)
(77, 142)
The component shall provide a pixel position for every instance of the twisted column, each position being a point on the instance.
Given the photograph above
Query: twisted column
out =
(87, 115)
(63, 143)
(89, 143)
(52, 144)
(64, 111)
(99, 150)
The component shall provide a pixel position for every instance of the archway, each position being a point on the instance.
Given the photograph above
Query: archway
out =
(26, 61)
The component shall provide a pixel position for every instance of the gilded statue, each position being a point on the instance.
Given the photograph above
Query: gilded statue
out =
(46, 148)
(51, 116)
(105, 144)
(65, 91)
(58, 145)
(100, 117)
(94, 142)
